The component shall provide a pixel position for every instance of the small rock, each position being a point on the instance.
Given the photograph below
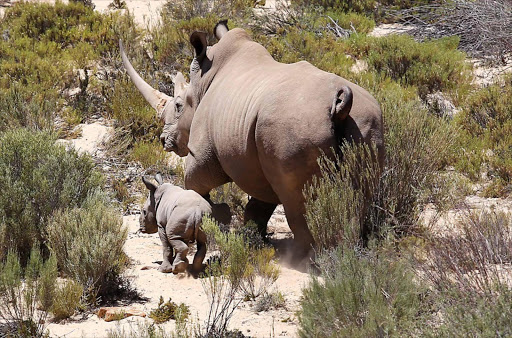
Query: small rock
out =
(118, 313)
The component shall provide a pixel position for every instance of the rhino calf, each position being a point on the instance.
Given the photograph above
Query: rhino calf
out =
(176, 214)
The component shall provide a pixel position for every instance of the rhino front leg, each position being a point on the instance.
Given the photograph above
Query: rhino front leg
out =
(166, 265)
(180, 263)
(259, 212)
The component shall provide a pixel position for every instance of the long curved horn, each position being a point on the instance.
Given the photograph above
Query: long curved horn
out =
(156, 98)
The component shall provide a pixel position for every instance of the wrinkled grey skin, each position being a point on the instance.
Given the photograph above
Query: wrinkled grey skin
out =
(177, 215)
(259, 123)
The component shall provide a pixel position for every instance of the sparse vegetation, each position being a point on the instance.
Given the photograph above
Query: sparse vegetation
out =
(88, 244)
(37, 177)
(59, 66)
(169, 310)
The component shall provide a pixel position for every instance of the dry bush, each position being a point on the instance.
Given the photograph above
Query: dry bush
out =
(26, 294)
(472, 261)
(484, 27)
(88, 244)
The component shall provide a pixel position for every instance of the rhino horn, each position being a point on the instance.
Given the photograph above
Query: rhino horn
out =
(155, 98)
(220, 29)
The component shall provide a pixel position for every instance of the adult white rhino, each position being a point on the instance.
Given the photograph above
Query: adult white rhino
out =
(262, 124)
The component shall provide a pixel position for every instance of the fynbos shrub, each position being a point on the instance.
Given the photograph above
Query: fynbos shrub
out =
(88, 243)
(37, 177)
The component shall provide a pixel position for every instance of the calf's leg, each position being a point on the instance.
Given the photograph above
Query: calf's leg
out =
(166, 265)
(197, 265)
(180, 263)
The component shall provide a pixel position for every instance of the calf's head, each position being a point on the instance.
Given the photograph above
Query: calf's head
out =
(147, 220)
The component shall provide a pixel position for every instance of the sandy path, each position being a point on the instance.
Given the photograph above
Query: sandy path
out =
(145, 250)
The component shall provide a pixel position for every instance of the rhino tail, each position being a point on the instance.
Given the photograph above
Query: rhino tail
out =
(341, 105)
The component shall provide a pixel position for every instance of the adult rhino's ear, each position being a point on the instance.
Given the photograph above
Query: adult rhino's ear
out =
(151, 187)
(159, 179)
(220, 29)
(180, 84)
(198, 40)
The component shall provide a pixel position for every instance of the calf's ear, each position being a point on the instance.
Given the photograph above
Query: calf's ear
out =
(198, 41)
(220, 29)
(159, 179)
(151, 187)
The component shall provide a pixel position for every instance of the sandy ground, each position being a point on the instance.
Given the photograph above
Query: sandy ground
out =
(145, 250)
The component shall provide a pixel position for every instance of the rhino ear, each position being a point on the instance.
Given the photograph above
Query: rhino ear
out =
(198, 40)
(159, 179)
(220, 29)
(180, 84)
(151, 187)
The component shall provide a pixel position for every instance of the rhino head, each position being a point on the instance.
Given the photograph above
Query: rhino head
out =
(147, 220)
(177, 112)
(169, 109)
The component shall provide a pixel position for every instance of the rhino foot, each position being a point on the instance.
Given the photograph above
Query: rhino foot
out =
(165, 268)
(180, 267)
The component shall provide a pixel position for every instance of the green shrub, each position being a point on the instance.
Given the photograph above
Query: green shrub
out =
(88, 244)
(150, 154)
(42, 48)
(191, 9)
(418, 145)
(357, 6)
(169, 310)
(486, 124)
(67, 300)
(336, 203)
(430, 66)
(26, 294)
(361, 294)
(239, 269)
(479, 315)
(269, 301)
(37, 177)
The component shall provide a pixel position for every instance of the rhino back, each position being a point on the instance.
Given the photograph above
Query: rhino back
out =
(267, 121)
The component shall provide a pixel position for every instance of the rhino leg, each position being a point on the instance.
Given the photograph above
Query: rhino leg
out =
(166, 265)
(197, 265)
(180, 263)
(259, 212)
(303, 240)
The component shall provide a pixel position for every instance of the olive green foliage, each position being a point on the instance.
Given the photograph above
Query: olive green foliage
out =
(240, 269)
(418, 145)
(41, 45)
(37, 177)
(361, 293)
(88, 244)
(146, 330)
(189, 9)
(355, 197)
(67, 300)
(26, 294)
(486, 124)
(358, 6)
(169, 310)
(430, 66)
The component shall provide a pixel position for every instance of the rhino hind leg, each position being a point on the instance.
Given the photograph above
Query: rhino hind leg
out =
(180, 263)
(197, 265)
(259, 212)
